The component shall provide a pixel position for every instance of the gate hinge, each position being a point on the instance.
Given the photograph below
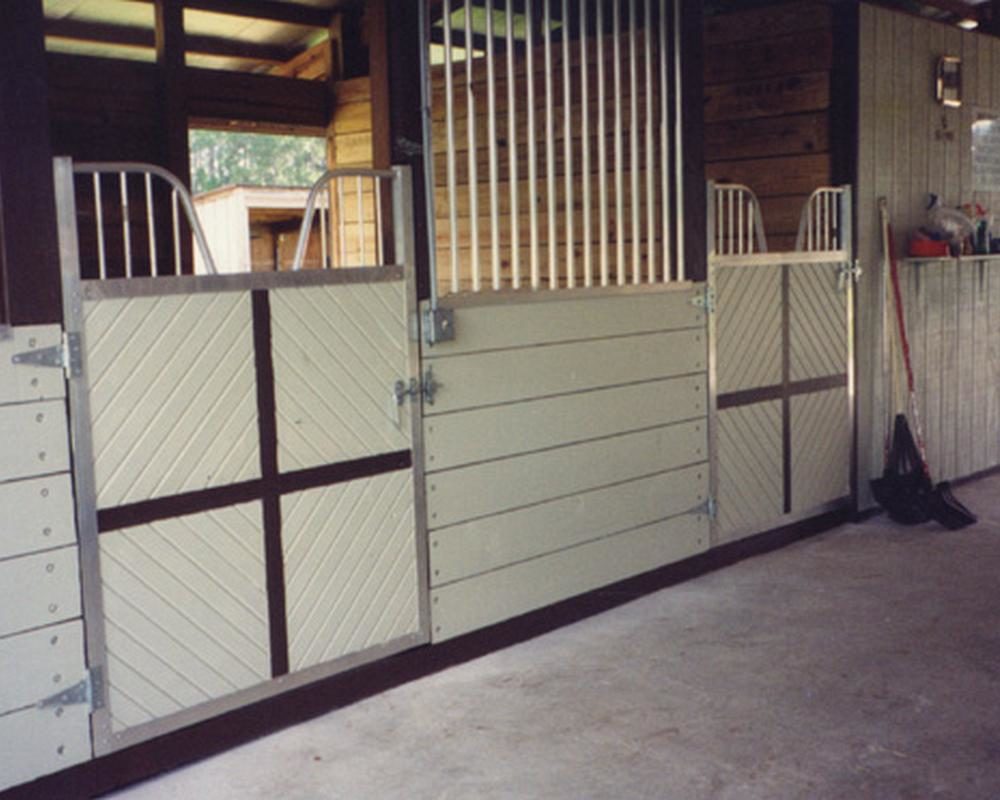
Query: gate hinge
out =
(705, 299)
(849, 272)
(425, 388)
(710, 508)
(66, 356)
(90, 690)
(439, 325)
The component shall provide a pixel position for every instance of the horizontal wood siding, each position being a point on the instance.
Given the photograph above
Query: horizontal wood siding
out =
(909, 146)
(566, 449)
(768, 107)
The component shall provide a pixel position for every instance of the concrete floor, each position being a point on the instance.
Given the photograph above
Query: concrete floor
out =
(863, 663)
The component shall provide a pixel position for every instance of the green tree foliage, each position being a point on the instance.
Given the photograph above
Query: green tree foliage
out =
(220, 158)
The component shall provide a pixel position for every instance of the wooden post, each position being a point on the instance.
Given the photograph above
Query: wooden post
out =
(29, 254)
(692, 109)
(176, 155)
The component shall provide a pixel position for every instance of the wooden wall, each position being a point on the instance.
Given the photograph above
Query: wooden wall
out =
(350, 133)
(768, 86)
(909, 145)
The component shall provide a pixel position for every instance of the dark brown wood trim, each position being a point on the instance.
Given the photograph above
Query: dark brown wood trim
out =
(748, 397)
(786, 401)
(345, 471)
(28, 213)
(693, 140)
(221, 733)
(267, 424)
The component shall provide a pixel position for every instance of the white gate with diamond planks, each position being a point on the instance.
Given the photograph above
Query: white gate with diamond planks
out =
(782, 372)
(245, 477)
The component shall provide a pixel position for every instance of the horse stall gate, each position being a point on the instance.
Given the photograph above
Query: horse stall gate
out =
(783, 387)
(248, 495)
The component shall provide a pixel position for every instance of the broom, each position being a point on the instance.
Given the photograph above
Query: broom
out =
(905, 489)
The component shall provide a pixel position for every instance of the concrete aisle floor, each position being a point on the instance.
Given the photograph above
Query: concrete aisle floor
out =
(863, 663)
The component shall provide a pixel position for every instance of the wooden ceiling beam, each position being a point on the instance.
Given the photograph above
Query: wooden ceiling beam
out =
(270, 10)
(133, 36)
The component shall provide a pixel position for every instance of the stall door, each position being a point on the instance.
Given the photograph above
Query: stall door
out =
(245, 468)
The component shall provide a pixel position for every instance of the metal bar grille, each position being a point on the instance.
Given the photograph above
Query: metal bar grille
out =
(603, 206)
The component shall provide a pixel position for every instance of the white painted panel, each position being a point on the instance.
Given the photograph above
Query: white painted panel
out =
(506, 376)
(34, 439)
(821, 449)
(748, 327)
(20, 383)
(338, 352)
(495, 596)
(36, 514)
(817, 315)
(38, 742)
(350, 567)
(185, 612)
(483, 489)
(751, 476)
(491, 542)
(488, 433)
(172, 394)
(40, 663)
(38, 590)
(523, 324)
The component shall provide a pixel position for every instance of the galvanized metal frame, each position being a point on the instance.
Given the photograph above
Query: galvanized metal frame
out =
(75, 291)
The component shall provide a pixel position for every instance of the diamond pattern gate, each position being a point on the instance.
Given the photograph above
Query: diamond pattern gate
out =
(782, 373)
(246, 483)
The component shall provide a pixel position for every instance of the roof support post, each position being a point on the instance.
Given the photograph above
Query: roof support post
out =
(29, 255)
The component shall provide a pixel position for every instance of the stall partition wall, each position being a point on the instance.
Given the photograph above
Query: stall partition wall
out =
(952, 309)
(566, 448)
(247, 493)
(41, 630)
(909, 145)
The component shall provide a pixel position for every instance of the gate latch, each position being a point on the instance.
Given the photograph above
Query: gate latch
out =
(66, 356)
(848, 272)
(90, 690)
(425, 388)
(439, 325)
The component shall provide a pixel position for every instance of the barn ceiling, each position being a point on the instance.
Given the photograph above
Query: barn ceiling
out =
(249, 35)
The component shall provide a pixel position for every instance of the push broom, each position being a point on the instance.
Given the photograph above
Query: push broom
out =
(905, 489)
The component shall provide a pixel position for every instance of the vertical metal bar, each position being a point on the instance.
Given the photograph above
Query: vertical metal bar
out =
(360, 204)
(650, 161)
(150, 225)
(739, 225)
(449, 115)
(666, 212)
(730, 197)
(616, 55)
(529, 13)
(718, 222)
(636, 197)
(341, 221)
(379, 254)
(470, 116)
(324, 217)
(126, 233)
(176, 225)
(102, 264)
(678, 141)
(491, 94)
(550, 145)
(602, 146)
(751, 230)
(568, 146)
(515, 233)
(428, 130)
(588, 254)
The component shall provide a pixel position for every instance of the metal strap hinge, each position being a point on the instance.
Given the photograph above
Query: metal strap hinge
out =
(66, 356)
(705, 299)
(709, 508)
(90, 690)
(425, 388)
